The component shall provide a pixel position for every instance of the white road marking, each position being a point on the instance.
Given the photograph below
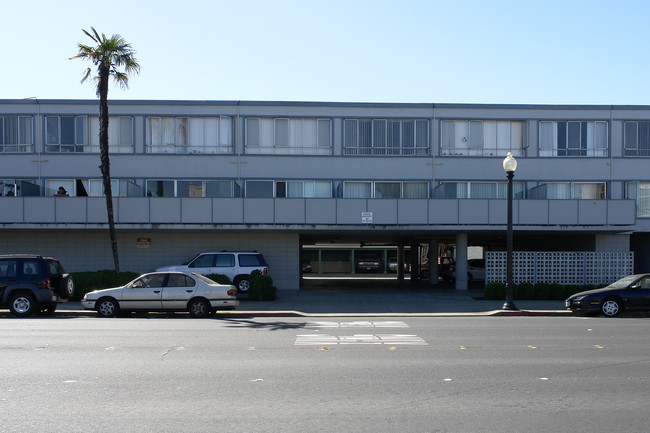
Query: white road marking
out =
(378, 339)
(358, 324)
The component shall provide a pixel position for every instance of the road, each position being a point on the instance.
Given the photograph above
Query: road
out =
(408, 374)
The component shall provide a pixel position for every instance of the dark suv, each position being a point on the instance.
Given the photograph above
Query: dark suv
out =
(33, 284)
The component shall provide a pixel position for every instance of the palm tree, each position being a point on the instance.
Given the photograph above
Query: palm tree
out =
(109, 55)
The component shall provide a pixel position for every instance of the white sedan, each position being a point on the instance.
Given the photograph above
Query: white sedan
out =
(164, 291)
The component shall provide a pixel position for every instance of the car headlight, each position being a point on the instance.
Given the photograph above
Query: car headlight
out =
(579, 298)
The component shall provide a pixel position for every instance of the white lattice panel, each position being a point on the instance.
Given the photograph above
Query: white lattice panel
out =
(565, 267)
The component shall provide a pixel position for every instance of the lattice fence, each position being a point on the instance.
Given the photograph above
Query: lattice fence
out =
(568, 268)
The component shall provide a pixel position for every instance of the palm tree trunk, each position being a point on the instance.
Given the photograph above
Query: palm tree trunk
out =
(105, 161)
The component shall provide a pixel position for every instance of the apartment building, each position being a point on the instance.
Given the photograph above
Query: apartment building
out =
(277, 177)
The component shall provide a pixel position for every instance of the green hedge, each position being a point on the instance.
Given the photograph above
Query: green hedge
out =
(540, 291)
(219, 278)
(262, 288)
(85, 282)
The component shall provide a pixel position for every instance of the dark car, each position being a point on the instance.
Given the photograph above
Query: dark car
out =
(631, 293)
(33, 284)
(367, 263)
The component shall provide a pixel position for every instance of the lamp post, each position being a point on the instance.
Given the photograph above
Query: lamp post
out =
(509, 165)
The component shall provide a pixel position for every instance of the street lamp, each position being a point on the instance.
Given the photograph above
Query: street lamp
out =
(509, 165)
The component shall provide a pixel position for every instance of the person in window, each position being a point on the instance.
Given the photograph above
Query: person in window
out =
(61, 192)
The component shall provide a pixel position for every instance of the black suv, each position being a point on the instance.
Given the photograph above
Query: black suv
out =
(33, 284)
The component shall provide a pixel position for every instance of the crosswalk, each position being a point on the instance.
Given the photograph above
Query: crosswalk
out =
(358, 339)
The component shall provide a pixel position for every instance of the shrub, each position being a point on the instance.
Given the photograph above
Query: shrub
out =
(88, 281)
(494, 290)
(526, 291)
(219, 278)
(557, 291)
(542, 291)
(262, 288)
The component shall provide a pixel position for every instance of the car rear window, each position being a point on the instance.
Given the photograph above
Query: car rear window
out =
(251, 260)
(55, 268)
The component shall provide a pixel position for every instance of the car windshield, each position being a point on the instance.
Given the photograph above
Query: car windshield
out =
(623, 282)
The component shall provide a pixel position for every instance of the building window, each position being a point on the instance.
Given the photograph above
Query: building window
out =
(385, 189)
(66, 133)
(573, 138)
(92, 187)
(16, 134)
(569, 191)
(637, 138)
(481, 137)
(479, 190)
(120, 134)
(386, 137)
(191, 188)
(289, 189)
(286, 136)
(189, 135)
(640, 192)
(19, 188)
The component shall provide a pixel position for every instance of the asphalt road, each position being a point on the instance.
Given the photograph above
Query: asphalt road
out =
(172, 374)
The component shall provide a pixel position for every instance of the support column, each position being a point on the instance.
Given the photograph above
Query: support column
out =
(461, 261)
(415, 262)
(400, 261)
(433, 261)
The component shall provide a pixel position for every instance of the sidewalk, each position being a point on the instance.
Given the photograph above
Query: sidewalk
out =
(376, 303)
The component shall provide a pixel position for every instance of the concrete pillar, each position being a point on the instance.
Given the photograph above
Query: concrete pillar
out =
(400, 261)
(433, 261)
(415, 262)
(461, 261)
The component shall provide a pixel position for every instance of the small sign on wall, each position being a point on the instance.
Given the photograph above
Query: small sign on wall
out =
(143, 242)
(366, 217)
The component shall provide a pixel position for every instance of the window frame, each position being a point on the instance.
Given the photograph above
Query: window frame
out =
(386, 136)
(373, 189)
(562, 145)
(475, 137)
(22, 144)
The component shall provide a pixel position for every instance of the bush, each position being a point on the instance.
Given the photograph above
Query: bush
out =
(219, 278)
(542, 291)
(526, 291)
(262, 288)
(88, 281)
(494, 290)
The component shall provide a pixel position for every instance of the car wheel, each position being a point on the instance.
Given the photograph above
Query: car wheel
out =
(107, 307)
(199, 308)
(22, 304)
(611, 307)
(47, 309)
(66, 287)
(242, 284)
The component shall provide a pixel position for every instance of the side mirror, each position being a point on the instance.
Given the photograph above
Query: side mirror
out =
(635, 286)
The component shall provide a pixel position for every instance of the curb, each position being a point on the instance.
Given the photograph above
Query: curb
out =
(248, 314)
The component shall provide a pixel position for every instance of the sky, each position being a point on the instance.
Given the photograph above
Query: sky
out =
(409, 51)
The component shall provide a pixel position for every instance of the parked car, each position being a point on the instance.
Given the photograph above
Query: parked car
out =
(367, 263)
(164, 291)
(33, 284)
(631, 293)
(236, 265)
(392, 265)
(475, 270)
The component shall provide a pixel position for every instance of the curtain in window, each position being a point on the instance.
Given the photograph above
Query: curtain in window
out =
(295, 189)
(547, 135)
(281, 132)
(415, 190)
(357, 190)
(168, 131)
(589, 191)
(483, 190)
(324, 133)
(225, 132)
(558, 191)
(447, 135)
(461, 190)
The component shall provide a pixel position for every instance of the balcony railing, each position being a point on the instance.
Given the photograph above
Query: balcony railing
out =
(313, 211)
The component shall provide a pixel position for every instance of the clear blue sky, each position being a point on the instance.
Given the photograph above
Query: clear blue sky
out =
(526, 51)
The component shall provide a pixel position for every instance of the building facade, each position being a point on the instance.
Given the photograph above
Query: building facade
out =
(276, 177)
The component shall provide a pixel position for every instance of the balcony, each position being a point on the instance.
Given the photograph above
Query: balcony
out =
(329, 213)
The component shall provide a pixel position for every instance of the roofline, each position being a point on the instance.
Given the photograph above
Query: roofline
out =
(34, 100)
